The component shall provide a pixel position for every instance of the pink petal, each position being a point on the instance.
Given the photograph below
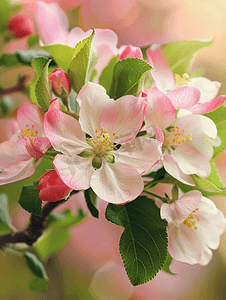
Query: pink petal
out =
(130, 52)
(171, 167)
(125, 117)
(106, 37)
(160, 111)
(176, 212)
(93, 100)
(208, 106)
(75, 171)
(159, 135)
(55, 104)
(75, 35)
(6, 154)
(141, 153)
(117, 183)
(17, 171)
(162, 73)
(39, 147)
(191, 161)
(184, 97)
(29, 114)
(64, 132)
(21, 150)
(8, 128)
(52, 23)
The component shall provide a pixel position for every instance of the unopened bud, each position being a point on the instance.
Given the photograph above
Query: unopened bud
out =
(21, 26)
(52, 188)
(60, 81)
(130, 52)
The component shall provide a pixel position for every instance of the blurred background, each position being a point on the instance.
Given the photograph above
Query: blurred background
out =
(89, 267)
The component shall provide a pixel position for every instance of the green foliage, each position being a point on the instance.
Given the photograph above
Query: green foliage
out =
(41, 281)
(40, 87)
(91, 199)
(82, 64)
(5, 105)
(205, 184)
(29, 199)
(8, 60)
(219, 117)
(7, 9)
(143, 244)
(4, 215)
(57, 233)
(62, 55)
(32, 41)
(107, 74)
(128, 77)
(180, 54)
(26, 57)
(167, 264)
(214, 176)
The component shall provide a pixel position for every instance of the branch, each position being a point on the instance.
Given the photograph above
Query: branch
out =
(21, 86)
(30, 234)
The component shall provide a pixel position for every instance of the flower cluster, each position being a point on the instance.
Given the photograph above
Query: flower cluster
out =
(116, 122)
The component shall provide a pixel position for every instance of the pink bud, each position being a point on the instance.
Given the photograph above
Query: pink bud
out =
(52, 188)
(60, 79)
(130, 52)
(21, 26)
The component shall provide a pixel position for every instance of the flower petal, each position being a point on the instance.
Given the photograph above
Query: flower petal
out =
(20, 150)
(141, 153)
(64, 132)
(117, 183)
(171, 167)
(162, 73)
(75, 35)
(6, 154)
(160, 110)
(125, 117)
(184, 97)
(93, 100)
(39, 147)
(75, 171)
(208, 106)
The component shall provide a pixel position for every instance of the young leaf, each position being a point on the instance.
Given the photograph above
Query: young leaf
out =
(30, 201)
(8, 60)
(32, 40)
(205, 184)
(143, 244)
(57, 234)
(26, 57)
(128, 77)
(62, 55)
(38, 284)
(4, 215)
(180, 53)
(167, 264)
(214, 176)
(107, 74)
(91, 199)
(219, 118)
(82, 63)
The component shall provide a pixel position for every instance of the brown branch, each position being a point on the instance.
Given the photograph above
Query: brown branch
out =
(21, 86)
(30, 234)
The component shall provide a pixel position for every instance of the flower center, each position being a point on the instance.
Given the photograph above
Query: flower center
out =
(181, 81)
(175, 137)
(30, 133)
(190, 221)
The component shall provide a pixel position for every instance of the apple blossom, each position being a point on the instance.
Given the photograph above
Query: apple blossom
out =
(194, 228)
(60, 80)
(99, 162)
(21, 26)
(130, 51)
(23, 151)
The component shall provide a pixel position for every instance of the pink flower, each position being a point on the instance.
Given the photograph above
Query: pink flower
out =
(130, 51)
(112, 171)
(60, 79)
(20, 155)
(187, 147)
(194, 228)
(21, 26)
(171, 84)
(52, 188)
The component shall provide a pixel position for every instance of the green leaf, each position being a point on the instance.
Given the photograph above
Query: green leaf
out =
(62, 55)
(167, 264)
(39, 283)
(128, 77)
(82, 63)
(180, 53)
(5, 105)
(26, 57)
(143, 244)
(73, 102)
(74, 17)
(8, 60)
(214, 176)
(91, 199)
(57, 234)
(32, 41)
(4, 14)
(205, 184)
(4, 215)
(219, 117)
(30, 201)
(107, 74)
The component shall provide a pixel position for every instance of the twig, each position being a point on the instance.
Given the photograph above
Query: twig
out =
(21, 86)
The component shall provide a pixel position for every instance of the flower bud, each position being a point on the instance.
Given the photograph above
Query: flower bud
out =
(52, 188)
(130, 52)
(60, 80)
(21, 26)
